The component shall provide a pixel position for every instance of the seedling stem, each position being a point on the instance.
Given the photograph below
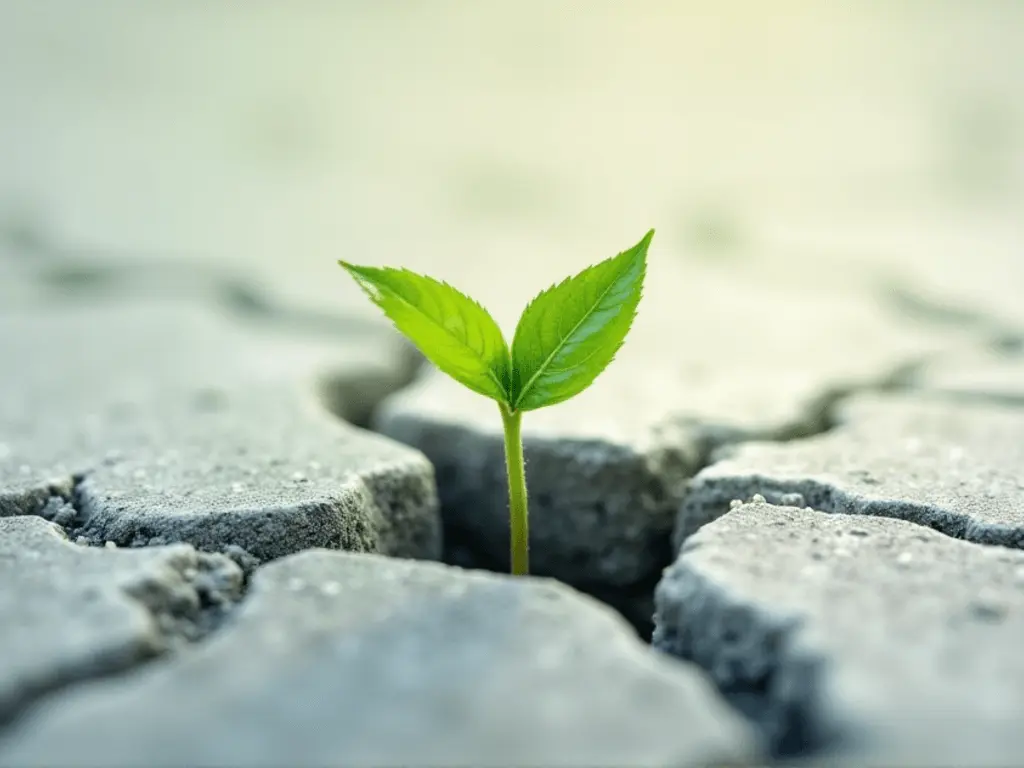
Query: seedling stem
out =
(519, 521)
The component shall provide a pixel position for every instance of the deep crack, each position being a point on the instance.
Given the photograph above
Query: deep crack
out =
(182, 620)
(767, 696)
(777, 689)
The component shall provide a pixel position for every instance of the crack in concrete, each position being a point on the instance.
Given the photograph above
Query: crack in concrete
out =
(68, 511)
(915, 305)
(707, 505)
(971, 398)
(205, 596)
(712, 439)
(356, 402)
(71, 272)
(766, 695)
(185, 608)
(776, 697)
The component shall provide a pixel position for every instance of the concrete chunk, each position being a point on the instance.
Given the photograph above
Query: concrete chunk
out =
(952, 466)
(264, 471)
(158, 423)
(71, 613)
(868, 640)
(339, 658)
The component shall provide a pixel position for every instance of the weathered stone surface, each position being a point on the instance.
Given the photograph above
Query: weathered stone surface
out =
(266, 474)
(337, 658)
(875, 640)
(162, 423)
(70, 613)
(376, 359)
(599, 508)
(607, 470)
(952, 466)
(139, 341)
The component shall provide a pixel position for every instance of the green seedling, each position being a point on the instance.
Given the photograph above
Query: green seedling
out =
(565, 337)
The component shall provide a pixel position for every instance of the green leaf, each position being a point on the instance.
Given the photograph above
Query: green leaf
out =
(571, 331)
(454, 332)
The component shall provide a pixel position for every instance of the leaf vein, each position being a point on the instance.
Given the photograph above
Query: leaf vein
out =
(558, 348)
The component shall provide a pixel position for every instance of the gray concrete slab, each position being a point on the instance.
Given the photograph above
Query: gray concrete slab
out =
(166, 422)
(73, 613)
(950, 465)
(870, 640)
(363, 660)
(263, 472)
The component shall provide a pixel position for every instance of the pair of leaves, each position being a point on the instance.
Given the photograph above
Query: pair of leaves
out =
(565, 338)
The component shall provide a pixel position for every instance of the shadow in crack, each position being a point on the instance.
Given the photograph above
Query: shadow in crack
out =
(356, 398)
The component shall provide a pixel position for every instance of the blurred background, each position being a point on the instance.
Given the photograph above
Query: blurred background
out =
(850, 147)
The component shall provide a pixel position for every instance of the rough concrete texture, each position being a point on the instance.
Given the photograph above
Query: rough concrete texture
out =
(71, 613)
(607, 470)
(366, 357)
(873, 640)
(189, 429)
(227, 154)
(338, 658)
(266, 474)
(178, 345)
(952, 466)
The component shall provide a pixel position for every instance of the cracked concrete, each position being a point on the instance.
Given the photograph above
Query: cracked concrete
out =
(607, 470)
(951, 466)
(991, 375)
(291, 481)
(174, 331)
(864, 639)
(72, 614)
(193, 430)
(363, 660)
(77, 279)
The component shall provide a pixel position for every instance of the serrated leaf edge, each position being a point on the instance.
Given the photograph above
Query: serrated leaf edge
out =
(543, 367)
(354, 269)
